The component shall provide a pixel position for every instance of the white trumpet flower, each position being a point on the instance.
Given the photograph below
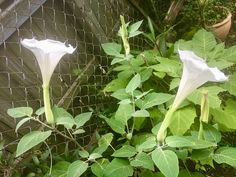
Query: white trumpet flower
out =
(48, 53)
(195, 73)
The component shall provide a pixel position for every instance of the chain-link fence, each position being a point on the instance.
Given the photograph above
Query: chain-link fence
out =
(79, 77)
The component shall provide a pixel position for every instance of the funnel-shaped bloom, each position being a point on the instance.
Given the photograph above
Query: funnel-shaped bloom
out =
(48, 53)
(195, 73)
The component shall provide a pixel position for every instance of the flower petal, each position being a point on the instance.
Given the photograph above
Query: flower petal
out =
(195, 73)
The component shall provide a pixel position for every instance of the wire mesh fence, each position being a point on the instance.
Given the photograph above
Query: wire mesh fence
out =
(79, 77)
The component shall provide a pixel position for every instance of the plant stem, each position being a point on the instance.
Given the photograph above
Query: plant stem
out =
(161, 135)
(58, 132)
(47, 105)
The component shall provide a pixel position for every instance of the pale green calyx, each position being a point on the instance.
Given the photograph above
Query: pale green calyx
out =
(195, 73)
(48, 53)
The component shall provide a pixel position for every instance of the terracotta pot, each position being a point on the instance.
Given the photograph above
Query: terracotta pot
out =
(221, 29)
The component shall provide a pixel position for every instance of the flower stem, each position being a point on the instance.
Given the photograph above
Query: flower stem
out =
(161, 135)
(47, 105)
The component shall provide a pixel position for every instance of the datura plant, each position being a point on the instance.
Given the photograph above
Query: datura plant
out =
(48, 54)
(195, 73)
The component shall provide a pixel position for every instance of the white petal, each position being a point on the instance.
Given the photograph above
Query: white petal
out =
(195, 73)
(48, 54)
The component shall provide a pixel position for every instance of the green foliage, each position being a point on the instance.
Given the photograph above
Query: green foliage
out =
(20, 112)
(226, 155)
(30, 140)
(125, 151)
(77, 168)
(166, 161)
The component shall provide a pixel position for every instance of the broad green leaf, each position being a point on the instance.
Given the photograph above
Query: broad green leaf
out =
(166, 161)
(201, 154)
(125, 151)
(40, 111)
(168, 66)
(174, 83)
(203, 42)
(77, 168)
(141, 113)
(182, 120)
(112, 49)
(217, 53)
(134, 27)
(226, 116)
(230, 54)
(213, 91)
(149, 143)
(120, 94)
(20, 112)
(115, 85)
(226, 155)
(81, 119)
(125, 101)
(230, 85)
(142, 160)
(98, 167)
(146, 74)
(103, 143)
(153, 99)
(118, 168)
(136, 33)
(62, 117)
(83, 154)
(117, 60)
(59, 169)
(19, 124)
(116, 125)
(149, 173)
(221, 64)
(124, 113)
(187, 141)
(94, 156)
(30, 140)
(133, 83)
(139, 123)
(211, 133)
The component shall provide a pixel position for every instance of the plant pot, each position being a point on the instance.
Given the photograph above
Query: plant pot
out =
(222, 28)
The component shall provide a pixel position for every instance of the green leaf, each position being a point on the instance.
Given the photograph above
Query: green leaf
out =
(125, 151)
(40, 111)
(136, 33)
(81, 119)
(98, 167)
(166, 161)
(141, 113)
(77, 168)
(133, 83)
(174, 83)
(226, 155)
(115, 85)
(168, 66)
(116, 125)
(120, 94)
(142, 160)
(211, 133)
(30, 140)
(78, 131)
(182, 120)
(103, 143)
(147, 144)
(59, 169)
(213, 91)
(19, 124)
(83, 154)
(230, 85)
(230, 54)
(201, 154)
(188, 141)
(153, 99)
(226, 116)
(203, 42)
(20, 112)
(187, 173)
(146, 74)
(112, 49)
(118, 168)
(94, 156)
(124, 113)
(62, 117)
(134, 27)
